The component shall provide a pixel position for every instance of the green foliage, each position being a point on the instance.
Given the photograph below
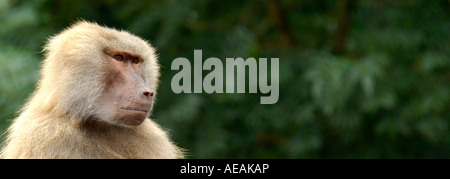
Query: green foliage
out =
(384, 94)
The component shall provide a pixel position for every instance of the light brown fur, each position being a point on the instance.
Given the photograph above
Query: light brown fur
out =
(60, 120)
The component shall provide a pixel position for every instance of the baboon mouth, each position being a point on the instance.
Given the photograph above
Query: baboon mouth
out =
(134, 109)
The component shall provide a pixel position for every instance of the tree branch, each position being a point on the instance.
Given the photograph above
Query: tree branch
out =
(278, 17)
(345, 17)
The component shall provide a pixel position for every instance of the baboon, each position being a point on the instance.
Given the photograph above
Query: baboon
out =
(93, 99)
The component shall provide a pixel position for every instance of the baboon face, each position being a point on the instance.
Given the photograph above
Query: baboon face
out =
(126, 100)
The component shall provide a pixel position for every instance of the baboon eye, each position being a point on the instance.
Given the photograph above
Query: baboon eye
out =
(135, 60)
(118, 57)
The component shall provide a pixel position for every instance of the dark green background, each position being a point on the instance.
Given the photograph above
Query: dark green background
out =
(358, 79)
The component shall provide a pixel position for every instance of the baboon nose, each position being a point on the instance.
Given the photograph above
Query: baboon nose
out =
(148, 94)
